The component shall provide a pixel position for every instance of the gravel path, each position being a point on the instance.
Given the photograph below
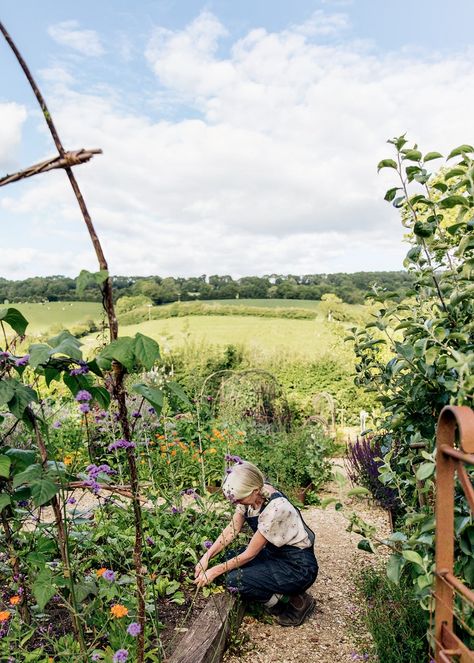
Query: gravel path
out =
(326, 635)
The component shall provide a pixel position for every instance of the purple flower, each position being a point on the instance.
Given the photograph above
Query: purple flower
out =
(120, 656)
(96, 656)
(189, 491)
(4, 355)
(175, 509)
(84, 408)
(134, 629)
(22, 361)
(151, 410)
(121, 444)
(150, 541)
(94, 470)
(82, 370)
(228, 470)
(207, 544)
(23, 503)
(232, 590)
(93, 485)
(57, 424)
(136, 414)
(71, 500)
(109, 575)
(83, 395)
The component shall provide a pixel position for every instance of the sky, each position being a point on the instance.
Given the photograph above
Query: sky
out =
(238, 138)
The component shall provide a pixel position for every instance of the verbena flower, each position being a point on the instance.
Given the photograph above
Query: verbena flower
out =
(120, 656)
(83, 369)
(83, 395)
(22, 361)
(121, 444)
(57, 424)
(109, 575)
(136, 414)
(207, 544)
(134, 629)
(71, 500)
(84, 408)
(150, 541)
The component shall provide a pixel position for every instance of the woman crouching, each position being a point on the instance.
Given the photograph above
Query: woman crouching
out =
(278, 565)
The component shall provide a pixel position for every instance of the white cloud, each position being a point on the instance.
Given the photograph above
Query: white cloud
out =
(85, 42)
(278, 174)
(323, 24)
(12, 117)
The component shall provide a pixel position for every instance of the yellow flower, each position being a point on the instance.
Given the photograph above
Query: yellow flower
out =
(118, 611)
(5, 615)
(212, 450)
(67, 460)
(15, 600)
(100, 572)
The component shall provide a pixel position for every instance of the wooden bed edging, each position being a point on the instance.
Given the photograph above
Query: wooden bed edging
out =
(207, 637)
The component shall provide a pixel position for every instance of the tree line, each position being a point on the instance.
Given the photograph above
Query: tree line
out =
(350, 288)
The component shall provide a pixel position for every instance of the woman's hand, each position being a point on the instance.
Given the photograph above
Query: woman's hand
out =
(206, 577)
(201, 566)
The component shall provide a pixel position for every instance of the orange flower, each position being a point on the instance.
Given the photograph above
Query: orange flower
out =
(5, 615)
(118, 610)
(67, 460)
(15, 600)
(100, 572)
(173, 453)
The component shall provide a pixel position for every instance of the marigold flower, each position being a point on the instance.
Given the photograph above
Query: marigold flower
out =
(67, 460)
(173, 453)
(15, 600)
(5, 615)
(118, 610)
(100, 572)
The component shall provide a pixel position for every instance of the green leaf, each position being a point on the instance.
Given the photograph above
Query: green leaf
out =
(422, 229)
(85, 588)
(391, 193)
(425, 470)
(122, 350)
(21, 459)
(39, 354)
(66, 344)
(386, 163)
(462, 149)
(178, 391)
(454, 172)
(152, 394)
(412, 155)
(146, 350)
(394, 567)
(42, 491)
(101, 395)
(43, 588)
(7, 390)
(31, 473)
(86, 279)
(412, 556)
(364, 544)
(22, 397)
(5, 500)
(327, 501)
(432, 155)
(15, 319)
(453, 201)
(358, 490)
(5, 464)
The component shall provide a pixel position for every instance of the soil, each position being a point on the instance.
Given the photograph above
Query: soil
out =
(177, 618)
(328, 635)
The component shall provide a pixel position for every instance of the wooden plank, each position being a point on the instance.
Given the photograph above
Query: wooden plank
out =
(207, 636)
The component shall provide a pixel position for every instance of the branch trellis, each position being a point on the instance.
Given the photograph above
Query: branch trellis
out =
(67, 160)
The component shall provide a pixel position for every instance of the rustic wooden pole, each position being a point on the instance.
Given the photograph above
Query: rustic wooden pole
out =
(107, 286)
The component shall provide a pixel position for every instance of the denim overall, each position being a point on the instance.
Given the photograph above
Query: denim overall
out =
(275, 570)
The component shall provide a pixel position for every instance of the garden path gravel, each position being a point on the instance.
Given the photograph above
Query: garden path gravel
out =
(326, 637)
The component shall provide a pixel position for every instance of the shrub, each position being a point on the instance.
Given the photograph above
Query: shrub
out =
(393, 617)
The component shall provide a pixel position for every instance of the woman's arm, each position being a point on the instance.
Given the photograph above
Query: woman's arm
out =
(225, 537)
(257, 543)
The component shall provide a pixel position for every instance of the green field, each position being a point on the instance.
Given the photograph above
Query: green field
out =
(303, 338)
(266, 303)
(54, 315)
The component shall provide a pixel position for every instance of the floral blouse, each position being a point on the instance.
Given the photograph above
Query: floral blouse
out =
(279, 522)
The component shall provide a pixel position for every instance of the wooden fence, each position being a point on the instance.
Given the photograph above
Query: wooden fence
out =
(455, 427)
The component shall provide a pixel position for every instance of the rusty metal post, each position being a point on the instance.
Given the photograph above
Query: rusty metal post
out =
(451, 419)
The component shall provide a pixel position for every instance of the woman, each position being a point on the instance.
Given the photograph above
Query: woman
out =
(278, 565)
